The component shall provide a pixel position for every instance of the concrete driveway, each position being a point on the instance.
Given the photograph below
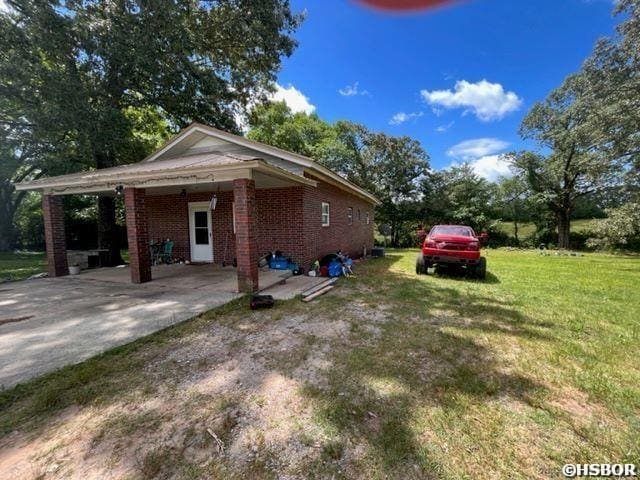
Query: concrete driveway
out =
(49, 323)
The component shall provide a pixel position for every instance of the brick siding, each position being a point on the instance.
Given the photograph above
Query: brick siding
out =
(137, 234)
(54, 235)
(288, 219)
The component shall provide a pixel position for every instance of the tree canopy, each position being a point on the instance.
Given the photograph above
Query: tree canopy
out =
(93, 75)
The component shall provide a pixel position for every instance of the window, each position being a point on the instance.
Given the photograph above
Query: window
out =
(350, 216)
(325, 214)
(359, 218)
(366, 217)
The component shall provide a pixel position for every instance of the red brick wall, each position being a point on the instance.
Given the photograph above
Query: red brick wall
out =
(138, 234)
(288, 219)
(54, 235)
(339, 235)
(279, 222)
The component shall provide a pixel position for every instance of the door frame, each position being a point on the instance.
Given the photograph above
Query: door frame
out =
(199, 206)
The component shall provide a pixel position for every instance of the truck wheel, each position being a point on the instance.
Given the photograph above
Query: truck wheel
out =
(421, 265)
(481, 269)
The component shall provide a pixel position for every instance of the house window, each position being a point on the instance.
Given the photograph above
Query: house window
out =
(325, 214)
(366, 217)
(350, 216)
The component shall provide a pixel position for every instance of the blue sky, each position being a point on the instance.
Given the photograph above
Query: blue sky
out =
(463, 73)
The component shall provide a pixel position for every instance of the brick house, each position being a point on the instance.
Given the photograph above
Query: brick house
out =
(220, 196)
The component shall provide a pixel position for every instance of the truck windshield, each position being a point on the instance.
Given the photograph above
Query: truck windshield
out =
(452, 230)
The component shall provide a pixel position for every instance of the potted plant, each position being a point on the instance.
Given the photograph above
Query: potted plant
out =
(74, 269)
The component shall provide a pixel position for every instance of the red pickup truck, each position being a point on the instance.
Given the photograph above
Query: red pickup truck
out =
(452, 245)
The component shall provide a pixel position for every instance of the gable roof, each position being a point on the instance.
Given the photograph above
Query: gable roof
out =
(181, 158)
(308, 164)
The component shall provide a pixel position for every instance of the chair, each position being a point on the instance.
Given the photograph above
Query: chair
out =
(167, 252)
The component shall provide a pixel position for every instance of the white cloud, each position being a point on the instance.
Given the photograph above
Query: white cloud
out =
(476, 148)
(402, 117)
(483, 154)
(487, 101)
(294, 99)
(444, 128)
(352, 90)
(492, 167)
(4, 6)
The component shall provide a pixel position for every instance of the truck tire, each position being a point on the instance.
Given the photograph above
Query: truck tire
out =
(481, 269)
(421, 265)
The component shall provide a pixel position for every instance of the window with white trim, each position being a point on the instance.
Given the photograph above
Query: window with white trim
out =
(325, 214)
(350, 216)
(366, 217)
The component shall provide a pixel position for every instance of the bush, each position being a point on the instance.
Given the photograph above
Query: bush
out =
(621, 229)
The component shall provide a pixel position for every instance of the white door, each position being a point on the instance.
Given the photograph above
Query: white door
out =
(200, 232)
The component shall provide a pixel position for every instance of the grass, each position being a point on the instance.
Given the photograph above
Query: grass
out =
(429, 377)
(21, 265)
(527, 229)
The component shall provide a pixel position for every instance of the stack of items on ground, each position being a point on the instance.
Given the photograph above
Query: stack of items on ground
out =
(332, 265)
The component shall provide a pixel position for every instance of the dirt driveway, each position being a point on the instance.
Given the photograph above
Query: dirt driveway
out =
(48, 323)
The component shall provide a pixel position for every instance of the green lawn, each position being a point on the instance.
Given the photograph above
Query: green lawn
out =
(527, 229)
(391, 375)
(20, 265)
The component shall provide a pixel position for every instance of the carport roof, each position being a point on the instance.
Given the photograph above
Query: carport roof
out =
(200, 154)
(184, 170)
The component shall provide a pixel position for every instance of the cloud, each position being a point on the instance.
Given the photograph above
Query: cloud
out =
(492, 167)
(487, 101)
(476, 148)
(352, 90)
(444, 128)
(4, 6)
(402, 117)
(483, 154)
(294, 99)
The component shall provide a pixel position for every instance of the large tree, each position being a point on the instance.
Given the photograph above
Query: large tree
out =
(612, 81)
(573, 167)
(77, 67)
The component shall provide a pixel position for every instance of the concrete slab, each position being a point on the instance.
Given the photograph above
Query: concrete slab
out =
(52, 322)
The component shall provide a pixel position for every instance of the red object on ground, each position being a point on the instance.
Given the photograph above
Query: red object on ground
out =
(452, 245)
(405, 4)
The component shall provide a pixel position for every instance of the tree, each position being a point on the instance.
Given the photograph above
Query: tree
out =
(612, 82)
(458, 195)
(573, 167)
(389, 167)
(75, 68)
(512, 198)
(275, 124)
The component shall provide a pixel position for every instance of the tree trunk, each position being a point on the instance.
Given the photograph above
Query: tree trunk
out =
(515, 231)
(108, 238)
(7, 213)
(564, 227)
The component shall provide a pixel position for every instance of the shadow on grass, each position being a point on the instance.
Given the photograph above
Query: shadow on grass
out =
(421, 352)
(424, 354)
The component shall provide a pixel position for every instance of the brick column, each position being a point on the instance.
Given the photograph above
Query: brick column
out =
(244, 195)
(138, 235)
(54, 236)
